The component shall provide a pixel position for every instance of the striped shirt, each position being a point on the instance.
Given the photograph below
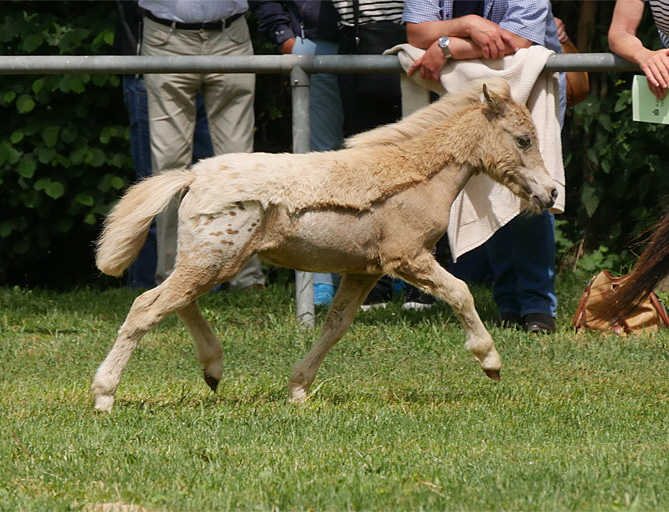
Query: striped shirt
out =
(370, 11)
(660, 10)
(531, 19)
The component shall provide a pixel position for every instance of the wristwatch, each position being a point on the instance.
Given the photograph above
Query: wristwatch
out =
(443, 43)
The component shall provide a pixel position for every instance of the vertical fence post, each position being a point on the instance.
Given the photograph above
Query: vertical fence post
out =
(304, 281)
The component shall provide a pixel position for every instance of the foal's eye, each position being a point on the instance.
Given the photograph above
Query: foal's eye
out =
(524, 141)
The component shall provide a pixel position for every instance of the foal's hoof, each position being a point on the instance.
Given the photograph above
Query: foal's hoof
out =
(212, 382)
(104, 403)
(297, 393)
(493, 374)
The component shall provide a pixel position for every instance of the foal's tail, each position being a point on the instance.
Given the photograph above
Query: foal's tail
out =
(650, 269)
(127, 226)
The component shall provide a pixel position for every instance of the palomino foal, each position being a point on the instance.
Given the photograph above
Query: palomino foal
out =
(376, 207)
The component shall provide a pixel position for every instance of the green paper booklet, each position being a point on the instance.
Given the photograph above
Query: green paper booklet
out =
(645, 107)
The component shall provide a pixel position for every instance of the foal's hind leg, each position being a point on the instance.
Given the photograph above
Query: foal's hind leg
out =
(212, 250)
(207, 346)
(176, 294)
(425, 273)
(351, 293)
(146, 312)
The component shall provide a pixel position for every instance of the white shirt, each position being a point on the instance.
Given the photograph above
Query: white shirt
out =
(194, 11)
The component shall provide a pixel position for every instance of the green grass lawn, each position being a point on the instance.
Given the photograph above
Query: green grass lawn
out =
(400, 418)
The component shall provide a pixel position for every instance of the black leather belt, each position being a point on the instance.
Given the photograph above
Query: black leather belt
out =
(210, 25)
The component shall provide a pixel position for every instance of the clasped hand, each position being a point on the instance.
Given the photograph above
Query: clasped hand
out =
(484, 38)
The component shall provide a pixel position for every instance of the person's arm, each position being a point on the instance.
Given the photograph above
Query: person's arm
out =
(470, 37)
(563, 37)
(623, 41)
(274, 23)
(489, 37)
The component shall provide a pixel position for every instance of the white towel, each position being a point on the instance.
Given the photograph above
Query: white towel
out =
(484, 206)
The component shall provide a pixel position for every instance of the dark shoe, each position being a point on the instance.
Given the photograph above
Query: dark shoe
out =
(417, 300)
(509, 321)
(375, 299)
(539, 323)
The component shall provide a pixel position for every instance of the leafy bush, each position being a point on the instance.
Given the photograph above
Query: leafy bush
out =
(618, 188)
(616, 168)
(63, 146)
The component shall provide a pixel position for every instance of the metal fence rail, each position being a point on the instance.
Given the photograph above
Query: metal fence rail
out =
(131, 64)
(298, 66)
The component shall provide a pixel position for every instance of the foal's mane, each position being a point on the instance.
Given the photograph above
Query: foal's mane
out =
(426, 118)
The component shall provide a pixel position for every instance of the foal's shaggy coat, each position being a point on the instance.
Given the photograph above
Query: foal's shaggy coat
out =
(376, 207)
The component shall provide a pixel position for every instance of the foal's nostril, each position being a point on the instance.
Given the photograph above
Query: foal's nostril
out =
(554, 194)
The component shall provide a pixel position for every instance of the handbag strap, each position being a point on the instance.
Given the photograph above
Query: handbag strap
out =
(661, 310)
(579, 321)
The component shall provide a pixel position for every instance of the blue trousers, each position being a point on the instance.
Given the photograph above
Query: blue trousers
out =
(519, 262)
(142, 273)
(522, 260)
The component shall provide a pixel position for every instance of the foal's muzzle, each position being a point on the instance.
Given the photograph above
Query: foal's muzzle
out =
(544, 201)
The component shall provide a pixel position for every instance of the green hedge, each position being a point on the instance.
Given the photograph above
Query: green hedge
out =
(63, 146)
(616, 168)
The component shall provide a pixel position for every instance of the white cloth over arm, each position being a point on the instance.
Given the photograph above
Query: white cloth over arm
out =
(484, 206)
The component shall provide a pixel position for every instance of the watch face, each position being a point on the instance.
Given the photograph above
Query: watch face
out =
(443, 43)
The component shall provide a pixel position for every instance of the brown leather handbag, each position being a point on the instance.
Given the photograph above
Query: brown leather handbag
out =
(649, 316)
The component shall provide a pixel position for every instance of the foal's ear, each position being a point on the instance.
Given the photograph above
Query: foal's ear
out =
(495, 102)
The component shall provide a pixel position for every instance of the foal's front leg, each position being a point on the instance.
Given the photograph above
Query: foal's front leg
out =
(353, 289)
(425, 273)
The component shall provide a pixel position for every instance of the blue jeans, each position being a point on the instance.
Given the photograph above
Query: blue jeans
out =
(142, 273)
(522, 260)
(326, 114)
(473, 267)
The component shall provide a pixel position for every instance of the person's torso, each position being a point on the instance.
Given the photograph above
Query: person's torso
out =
(531, 19)
(194, 11)
(370, 11)
(315, 19)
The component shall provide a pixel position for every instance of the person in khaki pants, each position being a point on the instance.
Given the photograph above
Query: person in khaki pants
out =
(196, 27)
